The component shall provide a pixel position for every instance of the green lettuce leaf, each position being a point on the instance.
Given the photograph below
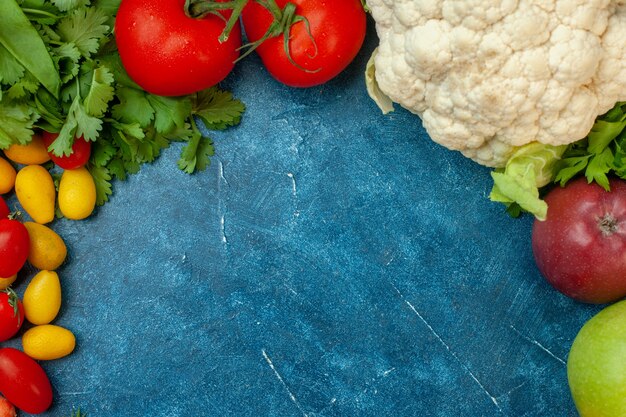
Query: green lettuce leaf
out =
(531, 167)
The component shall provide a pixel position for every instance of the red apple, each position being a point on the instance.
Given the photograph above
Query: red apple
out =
(581, 246)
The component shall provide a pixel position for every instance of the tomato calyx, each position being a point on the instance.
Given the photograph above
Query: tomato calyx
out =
(197, 9)
(15, 215)
(13, 301)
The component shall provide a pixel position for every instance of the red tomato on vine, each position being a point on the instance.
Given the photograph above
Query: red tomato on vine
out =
(11, 314)
(169, 53)
(81, 151)
(14, 247)
(322, 37)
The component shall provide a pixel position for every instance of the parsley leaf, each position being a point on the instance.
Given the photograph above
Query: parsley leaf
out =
(86, 126)
(169, 112)
(102, 151)
(10, 70)
(84, 28)
(67, 57)
(27, 85)
(79, 123)
(195, 155)
(100, 93)
(16, 123)
(217, 109)
(133, 107)
(102, 179)
(65, 5)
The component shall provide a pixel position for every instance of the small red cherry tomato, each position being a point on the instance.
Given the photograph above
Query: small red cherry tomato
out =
(81, 151)
(4, 209)
(11, 314)
(24, 382)
(14, 247)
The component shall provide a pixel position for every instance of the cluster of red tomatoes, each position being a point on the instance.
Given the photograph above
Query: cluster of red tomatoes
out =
(302, 43)
(22, 379)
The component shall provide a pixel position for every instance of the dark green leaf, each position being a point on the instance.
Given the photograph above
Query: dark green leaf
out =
(16, 123)
(85, 28)
(102, 179)
(116, 167)
(133, 107)
(65, 5)
(217, 109)
(22, 40)
(170, 112)
(100, 93)
(102, 151)
(26, 86)
(40, 11)
(10, 69)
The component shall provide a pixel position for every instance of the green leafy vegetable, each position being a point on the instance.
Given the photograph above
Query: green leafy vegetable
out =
(22, 40)
(601, 154)
(16, 123)
(531, 167)
(84, 28)
(60, 71)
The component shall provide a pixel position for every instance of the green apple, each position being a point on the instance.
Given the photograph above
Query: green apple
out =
(596, 366)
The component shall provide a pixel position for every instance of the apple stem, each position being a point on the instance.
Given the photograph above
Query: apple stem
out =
(607, 224)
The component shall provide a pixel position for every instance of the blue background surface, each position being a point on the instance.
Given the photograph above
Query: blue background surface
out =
(332, 261)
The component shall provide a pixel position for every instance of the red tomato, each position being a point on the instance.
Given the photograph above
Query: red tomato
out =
(81, 151)
(337, 26)
(14, 247)
(4, 209)
(170, 54)
(23, 382)
(581, 246)
(11, 314)
(6, 408)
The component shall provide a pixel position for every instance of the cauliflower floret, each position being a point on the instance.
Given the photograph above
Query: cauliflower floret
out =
(489, 76)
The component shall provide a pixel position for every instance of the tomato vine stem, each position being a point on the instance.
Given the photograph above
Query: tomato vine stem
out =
(283, 20)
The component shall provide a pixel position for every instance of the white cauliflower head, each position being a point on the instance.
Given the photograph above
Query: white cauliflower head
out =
(488, 76)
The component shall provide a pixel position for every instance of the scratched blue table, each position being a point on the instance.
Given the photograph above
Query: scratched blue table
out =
(332, 261)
